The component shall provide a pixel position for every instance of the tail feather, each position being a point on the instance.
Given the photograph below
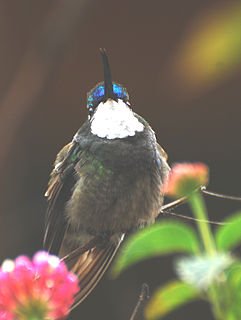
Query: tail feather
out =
(91, 266)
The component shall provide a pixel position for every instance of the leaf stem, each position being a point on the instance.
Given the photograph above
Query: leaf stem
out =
(199, 209)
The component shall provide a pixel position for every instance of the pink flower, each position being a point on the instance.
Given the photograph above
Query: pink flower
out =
(185, 178)
(43, 288)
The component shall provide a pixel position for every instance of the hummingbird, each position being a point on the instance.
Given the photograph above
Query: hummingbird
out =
(106, 183)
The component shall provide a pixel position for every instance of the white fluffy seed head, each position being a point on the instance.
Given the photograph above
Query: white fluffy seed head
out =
(113, 120)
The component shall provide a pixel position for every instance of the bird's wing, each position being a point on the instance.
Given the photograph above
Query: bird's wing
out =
(62, 181)
(164, 167)
(162, 152)
(91, 265)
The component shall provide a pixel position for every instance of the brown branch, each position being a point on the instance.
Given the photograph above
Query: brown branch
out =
(171, 205)
(144, 295)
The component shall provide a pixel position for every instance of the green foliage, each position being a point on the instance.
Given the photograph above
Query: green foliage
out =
(233, 299)
(162, 238)
(169, 297)
(210, 271)
(229, 236)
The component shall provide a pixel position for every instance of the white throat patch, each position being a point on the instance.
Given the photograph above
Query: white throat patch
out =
(113, 120)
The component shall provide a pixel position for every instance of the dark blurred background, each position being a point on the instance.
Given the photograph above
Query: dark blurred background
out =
(181, 63)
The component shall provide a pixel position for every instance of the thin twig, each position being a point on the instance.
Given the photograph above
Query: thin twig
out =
(173, 204)
(219, 195)
(194, 219)
(142, 298)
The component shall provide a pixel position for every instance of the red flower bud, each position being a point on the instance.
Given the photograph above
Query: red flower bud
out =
(185, 178)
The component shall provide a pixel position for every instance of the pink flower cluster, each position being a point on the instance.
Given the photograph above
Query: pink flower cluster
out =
(42, 287)
(185, 178)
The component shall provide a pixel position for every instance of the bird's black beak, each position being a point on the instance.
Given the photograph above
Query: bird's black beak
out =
(107, 76)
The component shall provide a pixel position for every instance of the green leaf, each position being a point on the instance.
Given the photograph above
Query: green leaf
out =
(233, 275)
(162, 238)
(229, 235)
(168, 298)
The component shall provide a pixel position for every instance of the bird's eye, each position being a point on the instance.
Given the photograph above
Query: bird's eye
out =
(91, 110)
(94, 97)
(128, 103)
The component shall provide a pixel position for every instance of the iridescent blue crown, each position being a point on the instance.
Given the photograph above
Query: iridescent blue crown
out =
(96, 95)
